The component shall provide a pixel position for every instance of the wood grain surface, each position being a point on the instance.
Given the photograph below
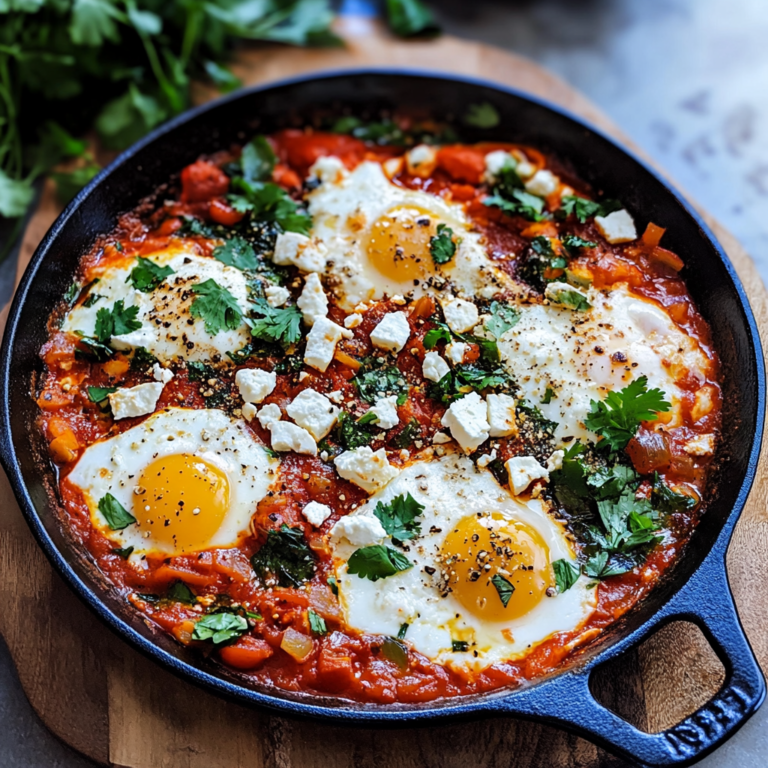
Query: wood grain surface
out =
(110, 703)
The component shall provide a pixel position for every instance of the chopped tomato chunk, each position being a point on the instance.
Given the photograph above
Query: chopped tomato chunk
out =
(247, 653)
(201, 181)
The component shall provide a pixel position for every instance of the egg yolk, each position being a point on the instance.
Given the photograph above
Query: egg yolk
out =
(397, 244)
(181, 501)
(480, 548)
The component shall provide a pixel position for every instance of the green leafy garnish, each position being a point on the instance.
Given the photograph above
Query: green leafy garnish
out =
(402, 631)
(566, 574)
(370, 381)
(216, 306)
(442, 246)
(92, 349)
(91, 299)
(549, 393)
(333, 584)
(116, 515)
(352, 434)
(569, 297)
(377, 562)
(398, 517)
(280, 325)
(285, 557)
(236, 252)
(503, 317)
(270, 203)
(316, 623)
(618, 417)
(116, 321)
(220, 628)
(504, 587)
(518, 203)
(668, 501)
(434, 335)
(573, 243)
(395, 651)
(181, 593)
(100, 394)
(142, 359)
(584, 209)
(147, 275)
(407, 18)
(482, 115)
(459, 646)
(124, 552)
(410, 432)
(257, 160)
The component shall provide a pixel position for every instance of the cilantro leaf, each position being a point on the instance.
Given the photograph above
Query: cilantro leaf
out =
(584, 209)
(519, 203)
(387, 379)
(410, 17)
(277, 324)
(317, 623)
(569, 298)
(352, 434)
(284, 557)
(147, 275)
(504, 587)
(116, 515)
(668, 501)
(124, 552)
(94, 349)
(482, 115)
(257, 160)
(181, 593)
(566, 574)
(434, 335)
(116, 322)
(236, 252)
(377, 562)
(442, 246)
(618, 417)
(503, 317)
(572, 243)
(270, 203)
(410, 432)
(398, 517)
(216, 306)
(220, 628)
(100, 394)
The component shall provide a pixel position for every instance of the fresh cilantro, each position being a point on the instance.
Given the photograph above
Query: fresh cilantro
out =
(459, 646)
(197, 371)
(317, 623)
(384, 133)
(482, 115)
(269, 202)
(504, 587)
(257, 160)
(286, 557)
(549, 394)
(584, 209)
(333, 584)
(142, 359)
(289, 364)
(216, 306)
(407, 18)
(668, 501)
(370, 381)
(181, 593)
(368, 418)
(518, 203)
(402, 631)
(352, 434)
(147, 275)
(570, 298)
(410, 432)
(377, 562)
(100, 394)
(442, 246)
(566, 574)
(281, 325)
(220, 628)
(116, 322)
(435, 335)
(124, 552)
(91, 299)
(572, 243)
(237, 252)
(72, 293)
(531, 412)
(398, 517)
(116, 515)
(396, 652)
(618, 417)
(599, 566)
(503, 317)
(92, 349)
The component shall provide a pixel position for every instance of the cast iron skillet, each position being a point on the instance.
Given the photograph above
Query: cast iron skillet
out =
(697, 589)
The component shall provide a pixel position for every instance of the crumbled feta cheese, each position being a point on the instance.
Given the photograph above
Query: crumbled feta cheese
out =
(399, 300)
(313, 302)
(392, 167)
(303, 376)
(440, 438)
(495, 162)
(249, 411)
(161, 374)
(702, 445)
(142, 337)
(328, 169)
(555, 461)
(289, 437)
(276, 295)
(434, 367)
(300, 251)
(542, 183)
(486, 459)
(501, 415)
(316, 513)
(523, 168)
(461, 316)
(366, 469)
(617, 227)
(385, 410)
(135, 401)
(421, 160)
(523, 470)
(353, 320)
(270, 414)
(336, 397)
(456, 351)
(255, 384)
(313, 411)
(321, 343)
(392, 332)
(359, 530)
(467, 418)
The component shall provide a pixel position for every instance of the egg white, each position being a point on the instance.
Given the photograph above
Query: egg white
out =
(342, 211)
(168, 303)
(114, 466)
(552, 346)
(451, 488)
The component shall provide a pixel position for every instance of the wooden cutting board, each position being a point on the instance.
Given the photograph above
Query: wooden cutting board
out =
(112, 704)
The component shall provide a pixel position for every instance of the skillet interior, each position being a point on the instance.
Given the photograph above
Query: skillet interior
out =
(152, 162)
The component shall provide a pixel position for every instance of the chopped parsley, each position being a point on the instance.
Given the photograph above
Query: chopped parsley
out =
(269, 202)
(584, 209)
(91, 299)
(617, 418)
(398, 517)
(572, 243)
(124, 552)
(142, 359)
(197, 371)
(549, 394)
(100, 394)
(503, 317)
(116, 321)
(396, 652)
(570, 298)
(377, 562)
(371, 381)
(316, 623)
(237, 252)
(504, 587)
(483, 115)
(410, 432)
(566, 574)
(435, 335)
(147, 275)
(280, 325)
(92, 349)
(442, 246)
(668, 501)
(181, 593)
(216, 306)
(333, 584)
(519, 203)
(352, 434)
(402, 631)
(257, 160)
(220, 628)
(459, 646)
(116, 515)
(285, 556)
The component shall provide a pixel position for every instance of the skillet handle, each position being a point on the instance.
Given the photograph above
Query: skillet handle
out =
(707, 602)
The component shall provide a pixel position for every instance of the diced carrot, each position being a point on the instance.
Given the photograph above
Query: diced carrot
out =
(423, 308)
(347, 360)
(667, 258)
(64, 448)
(540, 229)
(183, 631)
(247, 653)
(652, 235)
(116, 367)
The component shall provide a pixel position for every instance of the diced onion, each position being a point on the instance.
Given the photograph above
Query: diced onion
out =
(649, 452)
(296, 644)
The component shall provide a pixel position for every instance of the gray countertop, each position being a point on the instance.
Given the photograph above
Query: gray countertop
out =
(687, 80)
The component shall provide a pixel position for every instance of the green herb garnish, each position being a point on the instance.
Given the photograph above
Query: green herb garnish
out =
(482, 115)
(237, 252)
(275, 324)
(442, 246)
(398, 517)
(220, 628)
(147, 275)
(286, 557)
(377, 562)
(216, 306)
(116, 515)
(504, 587)
(116, 321)
(317, 623)
(566, 574)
